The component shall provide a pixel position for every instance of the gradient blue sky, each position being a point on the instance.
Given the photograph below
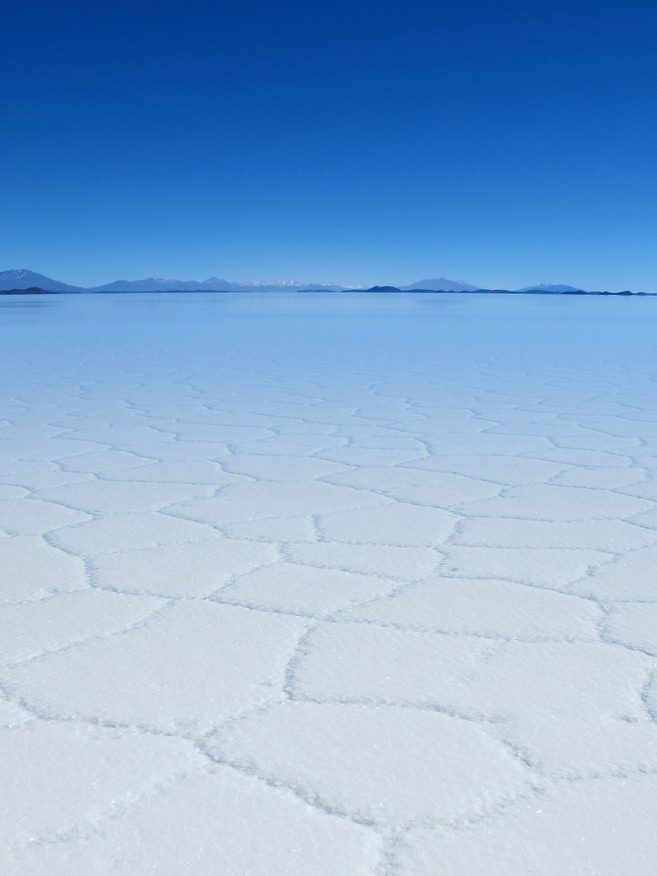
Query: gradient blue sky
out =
(504, 142)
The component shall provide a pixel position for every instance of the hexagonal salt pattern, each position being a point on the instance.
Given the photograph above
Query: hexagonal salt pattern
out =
(313, 586)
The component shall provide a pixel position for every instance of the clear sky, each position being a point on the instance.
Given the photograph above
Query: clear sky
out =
(503, 143)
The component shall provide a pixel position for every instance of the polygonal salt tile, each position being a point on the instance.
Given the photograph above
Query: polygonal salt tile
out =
(233, 416)
(421, 487)
(276, 529)
(546, 502)
(220, 433)
(624, 426)
(397, 442)
(602, 827)
(93, 434)
(390, 524)
(168, 450)
(296, 445)
(369, 456)
(385, 764)
(484, 608)
(402, 563)
(176, 472)
(186, 671)
(575, 708)
(510, 470)
(601, 478)
(8, 491)
(12, 715)
(28, 516)
(44, 448)
(130, 531)
(585, 457)
(359, 662)
(647, 520)
(599, 442)
(603, 535)
(195, 569)
(548, 567)
(61, 777)
(633, 625)
(451, 425)
(303, 589)
(307, 429)
(48, 624)
(109, 497)
(489, 442)
(32, 475)
(549, 429)
(280, 468)
(31, 569)
(631, 576)
(101, 461)
(257, 500)
(645, 490)
(240, 826)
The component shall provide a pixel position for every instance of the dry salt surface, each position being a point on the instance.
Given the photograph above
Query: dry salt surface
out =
(328, 586)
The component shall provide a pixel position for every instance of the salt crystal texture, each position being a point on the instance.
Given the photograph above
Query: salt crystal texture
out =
(306, 585)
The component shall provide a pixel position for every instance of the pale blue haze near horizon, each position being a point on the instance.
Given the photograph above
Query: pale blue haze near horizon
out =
(337, 330)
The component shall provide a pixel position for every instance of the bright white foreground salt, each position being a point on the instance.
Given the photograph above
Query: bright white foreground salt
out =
(328, 585)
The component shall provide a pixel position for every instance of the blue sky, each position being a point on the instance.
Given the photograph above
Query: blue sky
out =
(502, 143)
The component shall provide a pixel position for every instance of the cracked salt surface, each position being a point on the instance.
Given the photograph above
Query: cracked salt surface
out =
(357, 585)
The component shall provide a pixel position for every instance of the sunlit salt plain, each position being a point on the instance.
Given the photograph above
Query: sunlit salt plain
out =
(328, 585)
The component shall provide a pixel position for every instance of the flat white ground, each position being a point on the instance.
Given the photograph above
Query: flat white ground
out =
(328, 586)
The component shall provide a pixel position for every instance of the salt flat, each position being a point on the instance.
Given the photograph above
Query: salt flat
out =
(345, 585)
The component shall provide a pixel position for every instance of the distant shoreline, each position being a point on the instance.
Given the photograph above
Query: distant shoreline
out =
(374, 290)
(31, 291)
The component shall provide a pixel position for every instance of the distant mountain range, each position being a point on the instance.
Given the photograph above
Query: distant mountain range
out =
(213, 284)
(22, 280)
(441, 284)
